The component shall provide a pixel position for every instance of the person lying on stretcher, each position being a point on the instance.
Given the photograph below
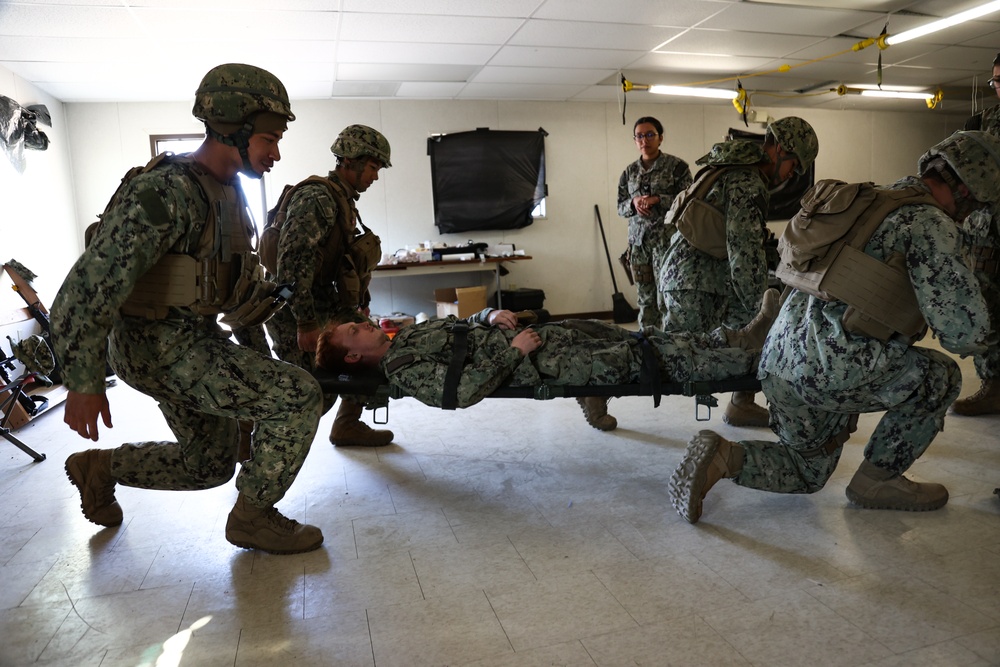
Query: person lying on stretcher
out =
(421, 361)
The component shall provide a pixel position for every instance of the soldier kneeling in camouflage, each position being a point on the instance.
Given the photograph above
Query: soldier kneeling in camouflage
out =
(819, 370)
(419, 360)
(181, 221)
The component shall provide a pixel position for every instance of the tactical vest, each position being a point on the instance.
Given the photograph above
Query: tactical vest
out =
(220, 274)
(348, 257)
(822, 253)
(700, 223)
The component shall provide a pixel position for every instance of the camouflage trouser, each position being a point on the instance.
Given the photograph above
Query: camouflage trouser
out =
(915, 395)
(692, 310)
(205, 384)
(645, 258)
(689, 357)
(981, 232)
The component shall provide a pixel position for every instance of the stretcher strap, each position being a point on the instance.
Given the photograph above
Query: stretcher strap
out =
(459, 347)
(649, 371)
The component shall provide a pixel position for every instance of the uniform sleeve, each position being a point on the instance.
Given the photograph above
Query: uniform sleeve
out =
(746, 204)
(312, 218)
(424, 380)
(154, 213)
(947, 291)
(625, 208)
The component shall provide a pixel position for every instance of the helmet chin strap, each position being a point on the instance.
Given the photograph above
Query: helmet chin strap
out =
(240, 139)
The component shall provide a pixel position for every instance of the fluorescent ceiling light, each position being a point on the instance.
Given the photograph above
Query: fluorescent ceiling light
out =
(896, 94)
(941, 24)
(715, 93)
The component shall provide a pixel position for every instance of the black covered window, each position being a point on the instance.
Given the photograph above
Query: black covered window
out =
(486, 179)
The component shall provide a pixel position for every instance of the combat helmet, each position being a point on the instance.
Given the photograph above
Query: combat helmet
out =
(235, 100)
(356, 141)
(797, 137)
(974, 157)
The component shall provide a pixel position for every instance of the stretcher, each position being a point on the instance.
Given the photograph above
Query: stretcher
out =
(375, 390)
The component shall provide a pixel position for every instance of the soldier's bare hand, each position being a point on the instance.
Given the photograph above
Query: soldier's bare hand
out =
(82, 410)
(526, 341)
(503, 319)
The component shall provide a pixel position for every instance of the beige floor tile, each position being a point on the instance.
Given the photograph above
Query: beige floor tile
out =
(362, 583)
(680, 641)
(455, 630)
(570, 653)
(338, 639)
(463, 569)
(794, 629)
(557, 610)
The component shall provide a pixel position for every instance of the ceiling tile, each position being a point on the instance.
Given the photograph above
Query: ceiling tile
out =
(571, 58)
(592, 35)
(429, 90)
(753, 17)
(423, 29)
(518, 91)
(496, 8)
(641, 12)
(403, 72)
(733, 42)
(428, 54)
(546, 75)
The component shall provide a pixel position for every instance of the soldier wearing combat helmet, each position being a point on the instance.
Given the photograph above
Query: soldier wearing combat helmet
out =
(178, 221)
(710, 282)
(819, 373)
(324, 248)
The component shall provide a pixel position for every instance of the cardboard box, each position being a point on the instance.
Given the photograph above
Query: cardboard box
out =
(460, 301)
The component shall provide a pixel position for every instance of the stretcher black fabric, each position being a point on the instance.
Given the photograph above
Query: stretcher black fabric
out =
(372, 383)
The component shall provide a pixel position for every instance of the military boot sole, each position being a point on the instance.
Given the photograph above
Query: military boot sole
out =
(897, 504)
(246, 540)
(687, 483)
(362, 442)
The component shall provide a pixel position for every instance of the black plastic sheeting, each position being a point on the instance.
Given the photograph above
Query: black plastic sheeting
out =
(18, 129)
(486, 179)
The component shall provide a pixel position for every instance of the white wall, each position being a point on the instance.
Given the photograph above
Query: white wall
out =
(38, 222)
(586, 150)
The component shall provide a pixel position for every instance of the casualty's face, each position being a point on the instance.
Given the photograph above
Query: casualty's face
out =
(361, 338)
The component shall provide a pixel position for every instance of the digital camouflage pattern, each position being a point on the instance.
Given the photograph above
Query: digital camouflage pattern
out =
(647, 237)
(230, 93)
(573, 352)
(982, 232)
(975, 157)
(357, 141)
(314, 222)
(798, 137)
(202, 380)
(701, 292)
(816, 375)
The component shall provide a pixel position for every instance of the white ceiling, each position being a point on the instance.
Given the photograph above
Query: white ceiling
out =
(153, 50)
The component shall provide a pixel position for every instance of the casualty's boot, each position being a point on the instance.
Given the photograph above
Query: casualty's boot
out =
(349, 431)
(751, 337)
(595, 409)
(265, 528)
(875, 488)
(90, 472)
(709, 458)
(742, 411)
(986, 401)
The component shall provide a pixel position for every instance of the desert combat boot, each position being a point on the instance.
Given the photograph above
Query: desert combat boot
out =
(595, 409)
(265, 528)
(875, 488)
(90, 472)
(709, 458)
(349, 431)
(986, 401)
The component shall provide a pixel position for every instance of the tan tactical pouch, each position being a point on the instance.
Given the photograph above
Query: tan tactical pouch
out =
(700, 223)
(822, 254)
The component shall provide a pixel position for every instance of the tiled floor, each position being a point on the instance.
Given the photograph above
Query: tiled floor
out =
(507, 534)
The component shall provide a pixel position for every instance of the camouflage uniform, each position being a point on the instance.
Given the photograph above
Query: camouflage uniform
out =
(817, 376)
(982, 232)
(700, 292)
(647, 237)
(573, 352)
(204, 382)
(314, 221)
